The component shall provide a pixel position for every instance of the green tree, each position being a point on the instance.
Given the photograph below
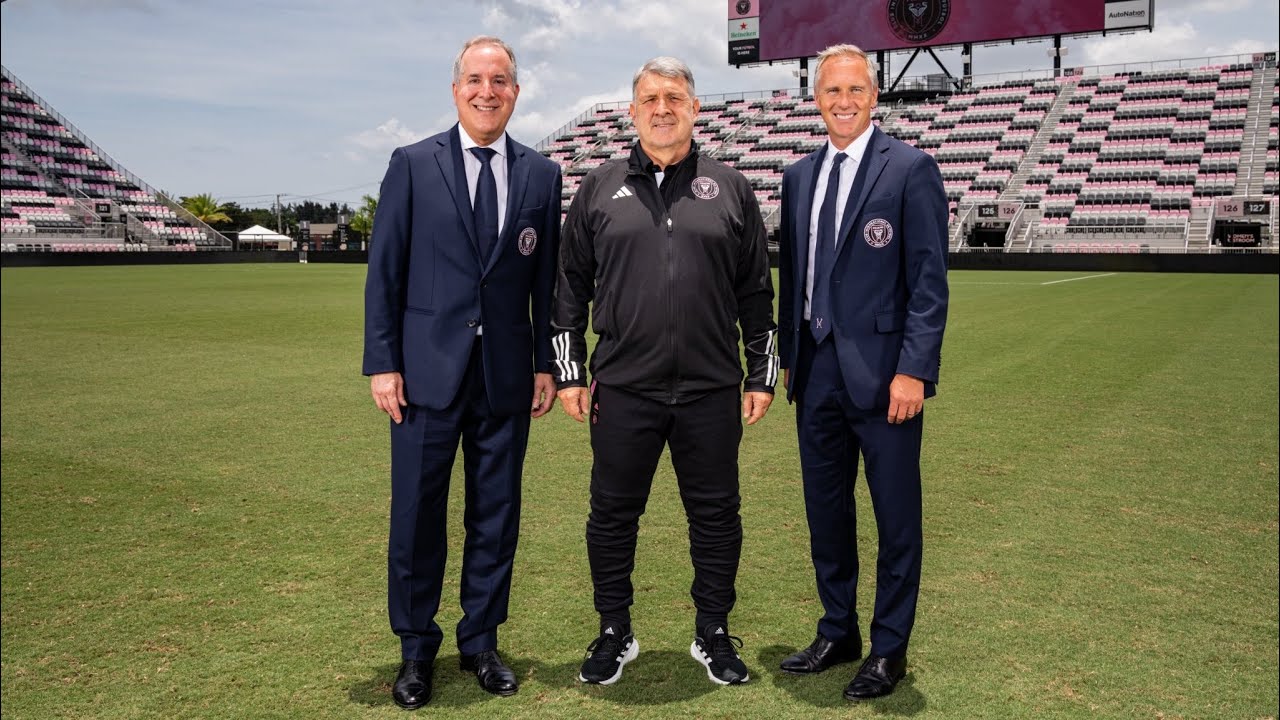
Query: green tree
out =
(362, 221)
(206, 209)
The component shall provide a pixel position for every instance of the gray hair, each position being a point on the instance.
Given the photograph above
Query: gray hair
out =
(847, 51)
(667, 67)
(484, 40)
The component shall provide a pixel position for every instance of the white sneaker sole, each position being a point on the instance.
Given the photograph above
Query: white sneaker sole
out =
(696, 654)
(627, 656)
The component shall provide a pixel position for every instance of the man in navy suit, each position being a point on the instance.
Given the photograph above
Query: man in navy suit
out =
(862, 305)
(457, 346)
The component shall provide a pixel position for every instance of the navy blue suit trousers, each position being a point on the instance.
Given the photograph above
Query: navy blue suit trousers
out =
(833, 433)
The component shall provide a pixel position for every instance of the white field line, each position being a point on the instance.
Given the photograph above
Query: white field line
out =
(1085, 277)
(979, 282)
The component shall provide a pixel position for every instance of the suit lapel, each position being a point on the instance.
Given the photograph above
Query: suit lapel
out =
(800, 222)
(873, 162)
(517, 181)
(449, 156)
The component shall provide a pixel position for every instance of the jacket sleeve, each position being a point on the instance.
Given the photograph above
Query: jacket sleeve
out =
(575, 289)
(384, 287)
(753, 289)
(925, 245)
(545, 280)
(786, 279)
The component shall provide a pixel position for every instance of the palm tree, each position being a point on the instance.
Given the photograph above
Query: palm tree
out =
(362, 221)
(206, 209)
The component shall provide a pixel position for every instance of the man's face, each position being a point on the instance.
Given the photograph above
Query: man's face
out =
(663, 111)
(846, 97)
(485, 92)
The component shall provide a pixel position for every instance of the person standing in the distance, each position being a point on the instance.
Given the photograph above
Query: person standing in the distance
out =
(668, 248)
(862, 306)
(457, 346)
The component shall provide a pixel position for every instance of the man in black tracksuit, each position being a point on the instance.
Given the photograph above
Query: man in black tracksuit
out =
(669, 249)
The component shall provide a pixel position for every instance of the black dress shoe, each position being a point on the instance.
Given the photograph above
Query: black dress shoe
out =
(494, 675)
(822, 654)
(877, 677)
(413, 684)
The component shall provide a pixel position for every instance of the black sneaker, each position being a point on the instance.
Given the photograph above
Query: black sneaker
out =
(715, 650)
(607, 654)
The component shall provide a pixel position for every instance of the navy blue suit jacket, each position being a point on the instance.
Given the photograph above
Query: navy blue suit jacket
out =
(889, 277)
(427, 291)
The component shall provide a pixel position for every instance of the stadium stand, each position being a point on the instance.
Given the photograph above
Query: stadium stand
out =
(1134, 159)
(60, 193)
(1122, 161)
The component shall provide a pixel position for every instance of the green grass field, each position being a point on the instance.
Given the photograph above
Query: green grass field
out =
(195, 496)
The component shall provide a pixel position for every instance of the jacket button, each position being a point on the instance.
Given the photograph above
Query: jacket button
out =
(472, 323)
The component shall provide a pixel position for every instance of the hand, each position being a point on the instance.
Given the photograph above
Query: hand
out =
(544, 394)
(786, 379)
(388, 393)
(576, 401)
(906, 398)
(755, 405)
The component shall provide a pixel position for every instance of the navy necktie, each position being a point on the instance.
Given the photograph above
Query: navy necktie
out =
(485, 207)
(820, 301)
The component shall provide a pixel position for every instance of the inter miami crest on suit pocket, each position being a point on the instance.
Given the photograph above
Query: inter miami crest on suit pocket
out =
(877, 233)
(527, 241)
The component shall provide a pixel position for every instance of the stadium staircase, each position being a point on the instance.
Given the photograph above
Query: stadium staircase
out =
(1039, 142)
(29, 208)
(959, 227)
(1024, 227)
(61, 192)
(1199, 229)
(1253, 156)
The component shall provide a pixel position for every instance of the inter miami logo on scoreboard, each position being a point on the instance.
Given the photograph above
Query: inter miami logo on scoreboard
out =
(918, 21)
(744, 7)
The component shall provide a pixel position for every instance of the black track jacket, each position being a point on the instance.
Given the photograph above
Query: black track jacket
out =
(671, 273)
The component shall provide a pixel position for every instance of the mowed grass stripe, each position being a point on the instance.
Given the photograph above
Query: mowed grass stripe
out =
(194, 505)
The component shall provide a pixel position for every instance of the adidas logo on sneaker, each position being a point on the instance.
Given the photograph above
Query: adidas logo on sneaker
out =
(607, 655)
(623, 191)
(716, 649)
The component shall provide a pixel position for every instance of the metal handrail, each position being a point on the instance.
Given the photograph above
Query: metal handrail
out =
(115, 165)
(194, 221)
(75, 131)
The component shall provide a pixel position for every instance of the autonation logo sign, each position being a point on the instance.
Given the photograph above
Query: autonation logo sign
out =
(1128, 14)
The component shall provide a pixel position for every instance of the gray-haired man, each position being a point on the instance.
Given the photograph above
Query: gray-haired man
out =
(669, 249)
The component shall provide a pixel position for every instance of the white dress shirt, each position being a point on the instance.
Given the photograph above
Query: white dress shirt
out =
(848, 171)
(471, 164)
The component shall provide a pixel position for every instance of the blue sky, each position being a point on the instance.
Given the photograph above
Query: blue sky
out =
(249, 98)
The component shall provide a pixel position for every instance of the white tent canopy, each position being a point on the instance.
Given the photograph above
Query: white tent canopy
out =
(259, 234)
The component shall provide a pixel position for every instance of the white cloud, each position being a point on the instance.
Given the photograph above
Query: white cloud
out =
(668, 26)
(531, 125)
(496, 21)
(316, 91)
(531, 80)
(1215, 7)
(1243, 46)
(380, 141)
(1159, 44)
